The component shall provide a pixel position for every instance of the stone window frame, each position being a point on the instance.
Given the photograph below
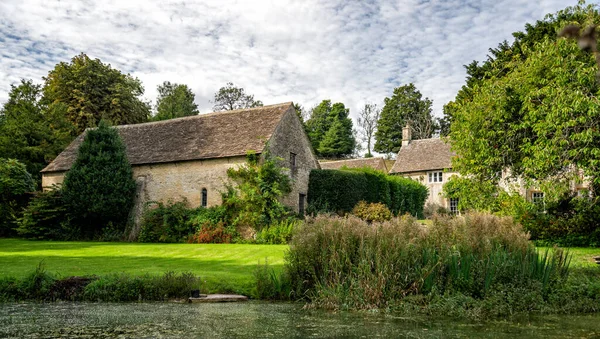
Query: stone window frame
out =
(435, 177)
(204, 197)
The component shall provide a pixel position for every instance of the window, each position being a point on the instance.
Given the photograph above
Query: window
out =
(454, 205)
(293, 162)
(204, 197)
(537, 198)
(435, 176)
(301, 199)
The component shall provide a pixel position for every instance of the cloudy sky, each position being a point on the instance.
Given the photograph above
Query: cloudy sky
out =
(287, 50)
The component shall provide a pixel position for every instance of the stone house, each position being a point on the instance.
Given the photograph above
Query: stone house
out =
(428, 161)
(189, 157)
(374, 163)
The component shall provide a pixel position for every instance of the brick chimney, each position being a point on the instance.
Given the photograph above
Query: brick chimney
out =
(406, 135)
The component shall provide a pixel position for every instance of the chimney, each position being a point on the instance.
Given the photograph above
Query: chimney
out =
(406, 135)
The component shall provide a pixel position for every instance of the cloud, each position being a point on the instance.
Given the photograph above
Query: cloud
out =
(301, 51)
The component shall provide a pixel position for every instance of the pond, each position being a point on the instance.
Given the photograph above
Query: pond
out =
(259, 320)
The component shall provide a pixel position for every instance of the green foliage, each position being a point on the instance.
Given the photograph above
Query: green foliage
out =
(28, 131)
(229, 98)
(536, 111)
(255, 201)
(347, 263)
(271, 285)
(87, 91)
(370, 212)
(472, 194)
(405, 106)
(15, 183)
(330, 130)
(277, 233)
(174, 101)
(99, 188)
(169, 222)
(46, 217)
(339, 191)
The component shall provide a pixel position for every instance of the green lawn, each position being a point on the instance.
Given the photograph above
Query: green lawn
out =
(224, 267)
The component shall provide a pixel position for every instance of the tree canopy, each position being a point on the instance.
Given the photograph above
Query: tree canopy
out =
(15, 183)
(406, 105)
(540, 116)
(330, 130)
(230, 97)
(99, 188)
(174, 101)
(87, 91)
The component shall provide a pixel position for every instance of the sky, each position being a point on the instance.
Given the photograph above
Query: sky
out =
(354, 52)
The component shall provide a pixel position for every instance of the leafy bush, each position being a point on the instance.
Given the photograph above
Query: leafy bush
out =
(346, 263)
(166, 222)
(209, 233)
(15, 183)
(277, 233)
(370, 212)
(472, 194)
(46, 217)
(340, 190)
(99, 188)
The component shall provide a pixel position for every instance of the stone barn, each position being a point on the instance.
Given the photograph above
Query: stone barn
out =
(189, 157)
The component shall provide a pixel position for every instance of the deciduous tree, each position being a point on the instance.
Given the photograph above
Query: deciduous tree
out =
(230, 97)
(367, 121)
(174, 101)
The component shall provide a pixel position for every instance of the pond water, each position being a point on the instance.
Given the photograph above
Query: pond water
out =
(259, 320)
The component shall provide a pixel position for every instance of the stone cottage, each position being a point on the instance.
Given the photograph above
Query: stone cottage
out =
(428, 161)
(189, 157)
(374, 163)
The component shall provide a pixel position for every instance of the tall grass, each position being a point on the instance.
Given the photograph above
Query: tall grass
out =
(347, 263)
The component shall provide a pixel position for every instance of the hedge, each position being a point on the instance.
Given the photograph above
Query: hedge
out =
(340, 190)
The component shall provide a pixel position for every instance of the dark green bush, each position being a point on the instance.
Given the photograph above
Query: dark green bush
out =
(15, 184)
(170, 222)
(99, 188)
(46, 217)
(340, 190)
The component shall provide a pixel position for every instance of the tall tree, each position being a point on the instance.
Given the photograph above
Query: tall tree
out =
(99, 188)
(89, 90)
(174, 101)
(330, 130)
(28, 131)
(300, 112)
(540, 117)
(406, 105)
(15, 183)
(367, 121)
(230, 97)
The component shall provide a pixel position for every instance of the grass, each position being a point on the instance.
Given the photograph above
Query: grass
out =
(582, 256)
(222, 267)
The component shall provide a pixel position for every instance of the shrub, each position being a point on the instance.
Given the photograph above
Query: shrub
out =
(346, 263)
(99, 188)
(46, 217)
(210, 233)
(270, 284)
(472, 194)
(166, 222)
(277, 233)
(15, 183)
(370, 212)
(339, 191)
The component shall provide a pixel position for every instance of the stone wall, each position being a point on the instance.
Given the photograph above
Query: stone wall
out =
(289, 137)
(435, 188)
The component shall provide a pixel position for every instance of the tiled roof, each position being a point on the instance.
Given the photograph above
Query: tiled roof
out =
(205, 136)
(423, 155)
(375, 163)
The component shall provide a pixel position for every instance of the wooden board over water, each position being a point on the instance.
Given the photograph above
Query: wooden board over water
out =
(218, 298)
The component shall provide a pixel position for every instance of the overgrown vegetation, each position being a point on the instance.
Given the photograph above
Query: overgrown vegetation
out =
(43, 286)
(477, 263)
(15, 183)
(340, 190)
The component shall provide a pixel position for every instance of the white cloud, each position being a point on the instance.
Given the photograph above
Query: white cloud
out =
(303, 51)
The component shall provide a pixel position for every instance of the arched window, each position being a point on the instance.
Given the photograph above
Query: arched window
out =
(204, 197)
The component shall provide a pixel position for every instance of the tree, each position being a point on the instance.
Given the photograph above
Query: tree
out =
(367, 121)
(330, 130)
(540, 118)
(28, 132)
(15, 183)
(300, 112)
(230, 97)
(174, 101)
(406, 106)
(88, 91)
(99, 188)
